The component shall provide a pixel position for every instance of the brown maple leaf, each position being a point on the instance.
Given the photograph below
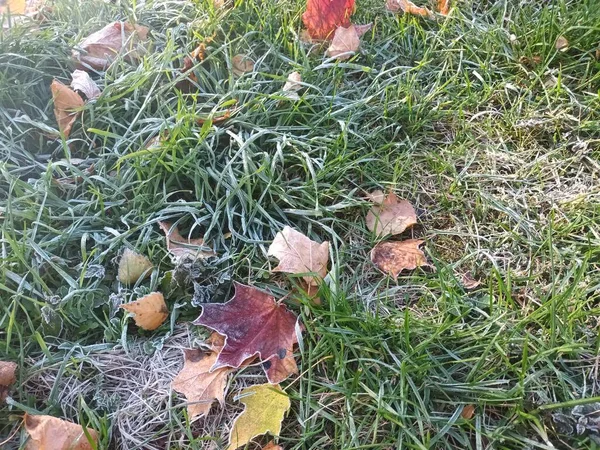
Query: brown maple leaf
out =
(392, 216)
(298, 254)
(7, 377)
(199, 385)
(253, 324)
(52, 433)
(322, 17)
(67, 103)
(182, 248)
(396, 256)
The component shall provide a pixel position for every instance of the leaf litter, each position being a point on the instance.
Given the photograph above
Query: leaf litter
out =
(150, 311)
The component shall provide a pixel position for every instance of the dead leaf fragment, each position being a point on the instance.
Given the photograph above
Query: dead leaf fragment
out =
(272, 446)
(598, 54)
(444, 7)
(392, 216)
(182, 248)
(254, 324)
(7, 377)
(280, 367)
(322, 17)
(150, 311)
(101, 48)
(265, 408)
(241, 64)
(66, 105)
(468, 412)
(395, 256)
(12, 7)
(298, 254)
(293, 85)
(562, 44)
(469, 282)
(198, 384)
(52, 433)
(407, 7)
(346, 41)
(83, 83)
(132, 266)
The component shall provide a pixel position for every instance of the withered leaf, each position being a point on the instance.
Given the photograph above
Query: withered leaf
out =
(407, 7)
(469, 282)
(392, 216)
(241, 64)
(346, 41)
(272, 446)
(280, 367)
(468, 412)
(83, 83)
(322, 17)
(52, 433)
(100, 49)
(396, 256)
(66, 105)
(199, 385)
(444, 7)
(292, 85)
(253, 324)
(150, 311)
(298, 254)
(181, 248)
(7, 377)
(265, 408)
(132, 266)
(562, 44)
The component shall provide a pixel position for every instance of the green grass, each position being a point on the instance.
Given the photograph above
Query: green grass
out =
(500, 157)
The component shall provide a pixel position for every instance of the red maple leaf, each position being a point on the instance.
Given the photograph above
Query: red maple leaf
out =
(322, 17)
(253, 324)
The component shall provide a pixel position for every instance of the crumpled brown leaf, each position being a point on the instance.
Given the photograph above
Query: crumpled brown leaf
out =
(132, 266)
(83, 83)
(66, 105)
(407, 7)
(395, 256)
(181, 248)
(150, 311)
(346, 41)
(52, 433)
(298, 254)
(392, 216)
(100, 49)
(7, 377)
(241, 64)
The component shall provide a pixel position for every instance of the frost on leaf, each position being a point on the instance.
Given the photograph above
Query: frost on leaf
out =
(407, 7)
(182, 248)
(396, 256)
(132, 266)
(52, 433)
(150, 311)
(83, 83)
(322, 17)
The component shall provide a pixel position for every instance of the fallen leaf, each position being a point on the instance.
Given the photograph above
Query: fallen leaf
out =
(100, 49)
(469, 282)
(530, 62)
(279, 369)
(298, 254)
(181, 248)
(444, 7)
(322, 17)
(309, 290)
(272, 446)
(468, 412)
(52, 433)
(377, 196)
(7, 377)
(392, 216)
(407, 7)
(598, 54)
(198, 384)
(12, 7)
(241, 64)
(562, 44)
(253, 324)
(66, 102)
(293, 85)
(83, 83)
(265, 408)
(132, 266)
(396, 256)
(346, 41)
(150, 311)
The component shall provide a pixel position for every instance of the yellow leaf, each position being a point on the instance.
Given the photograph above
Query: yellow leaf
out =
(266, 406)
(52, 433)
(12, 6)
(132, 266)
(150, 311)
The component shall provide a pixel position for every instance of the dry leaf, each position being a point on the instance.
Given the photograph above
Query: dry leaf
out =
(530, 62)
(346, 41)
(279, 369)
(83, 83)
(199, 385)
(7, 377)
(598, 54)
(241, 64)
(469, 282)
(100, 49)
(12, 7)
(132, 266)
(377, 196)
(562, 44)
(150, 311)
(51, 433)
(309, 290)
(407, 7)
(298, 254)
(265, 408)
(396, 256)
(468, 412)
(392, 216)
(322, 17)
(293, 85)
(272, 446)
(444, 7)
(181, 248)
(254, 324)
(66, 105)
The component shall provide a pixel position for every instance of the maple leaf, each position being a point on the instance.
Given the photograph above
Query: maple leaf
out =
(346, 41)
(298, 254)
(83, 83)
(278, 369)
(7, 377)
(199, 385)
(444, 7)
(52, 433)
(265, 407)
(394, 257)
(253, 324)
(150, 311)
(408, 7)
(66, 105)
(322, 17)
(132, 266)
(392, 216)
(99, 49)
(181, 248)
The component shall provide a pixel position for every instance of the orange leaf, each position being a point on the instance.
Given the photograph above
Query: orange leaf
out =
(7, 377)
(322, 17)
(150, 311)
(52, 433)
(468, 412)
(396, 256)
(444, 7)
(408, 7)
(66, 103)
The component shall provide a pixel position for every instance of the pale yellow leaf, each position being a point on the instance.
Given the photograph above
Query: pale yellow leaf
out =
(52, 433)
(132, 266)
(12, 6)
